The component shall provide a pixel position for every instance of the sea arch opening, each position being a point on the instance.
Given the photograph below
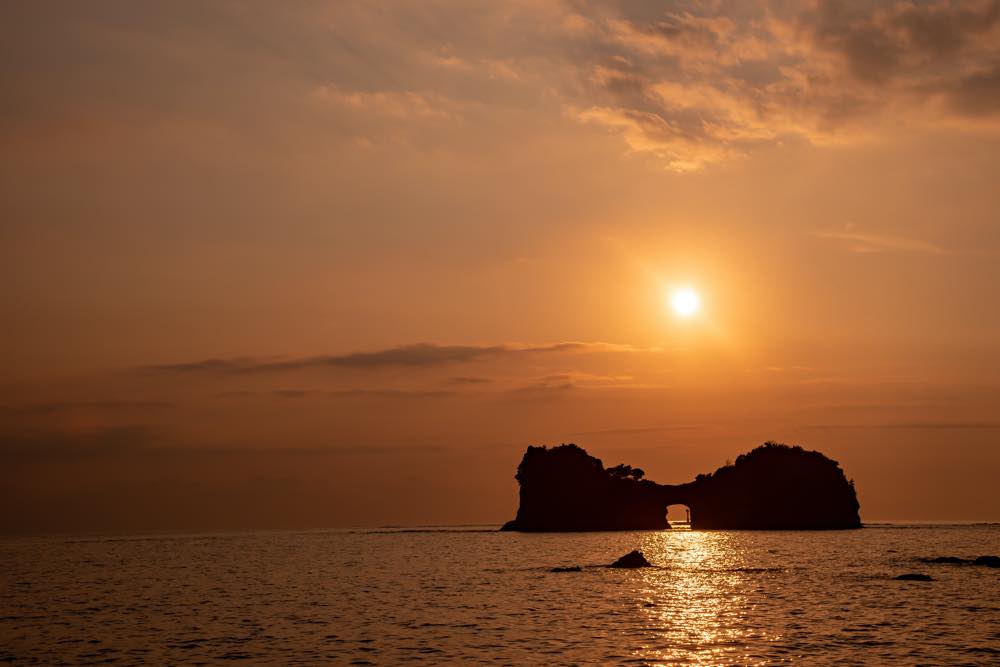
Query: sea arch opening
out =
(679, 516)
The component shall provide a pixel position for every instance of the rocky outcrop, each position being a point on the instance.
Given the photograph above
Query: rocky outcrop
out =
(631, 560)
(985, 561)
(951, 560)
(566, 489)
(774, 487)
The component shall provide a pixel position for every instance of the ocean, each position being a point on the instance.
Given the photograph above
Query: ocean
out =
(471, 594)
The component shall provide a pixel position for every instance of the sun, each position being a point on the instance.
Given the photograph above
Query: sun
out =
(685, 302)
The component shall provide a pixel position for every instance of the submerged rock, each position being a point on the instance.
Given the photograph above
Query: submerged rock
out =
(632, 559)
(572, 568)
(914, 577)
(773, 487)
(985, 561)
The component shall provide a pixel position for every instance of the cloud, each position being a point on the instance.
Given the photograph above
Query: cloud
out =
(867, 242)
(390, 393)
(698, 84)
(407, 356)
(681, 148)
(112, 406)
(640, 431)
(586, 380)
(108, 441)
(295, 393)
(402, 106)
(207, 366)
(942, 426)
(417, 355)
(904, 39)
(468, 380)
(236, 393)
(915, 426)
(544, 388)
(977, 94)
(690, 83)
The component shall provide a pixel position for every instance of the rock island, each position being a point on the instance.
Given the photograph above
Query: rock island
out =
(773, 487)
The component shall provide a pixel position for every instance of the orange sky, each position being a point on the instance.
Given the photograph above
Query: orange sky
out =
(338, 263)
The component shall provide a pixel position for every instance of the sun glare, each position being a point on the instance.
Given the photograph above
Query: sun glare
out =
(685, 302)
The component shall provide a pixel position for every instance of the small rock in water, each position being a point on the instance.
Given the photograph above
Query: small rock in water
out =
(632, 559)
(988, 561)
(914, 577)
(573, 568)
(946, 559)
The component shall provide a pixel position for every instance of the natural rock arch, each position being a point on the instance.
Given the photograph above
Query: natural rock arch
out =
(772, 487)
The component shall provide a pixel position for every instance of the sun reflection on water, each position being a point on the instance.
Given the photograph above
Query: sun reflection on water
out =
(698, 607)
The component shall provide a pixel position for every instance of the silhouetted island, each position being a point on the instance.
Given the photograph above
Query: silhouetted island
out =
(773, 487)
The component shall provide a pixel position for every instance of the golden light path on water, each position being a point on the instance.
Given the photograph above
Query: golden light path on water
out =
(710, 574)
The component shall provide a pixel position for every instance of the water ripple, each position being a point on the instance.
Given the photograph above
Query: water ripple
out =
(437, 596)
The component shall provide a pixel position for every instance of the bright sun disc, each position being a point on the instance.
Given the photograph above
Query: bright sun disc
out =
(685, 302)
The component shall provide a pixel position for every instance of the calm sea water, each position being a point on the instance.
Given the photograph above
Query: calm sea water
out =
(474, 595)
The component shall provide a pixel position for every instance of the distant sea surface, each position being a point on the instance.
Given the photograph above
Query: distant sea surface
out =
(474, 595)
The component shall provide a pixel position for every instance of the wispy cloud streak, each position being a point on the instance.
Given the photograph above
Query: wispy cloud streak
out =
(407, 356)
(867, 242)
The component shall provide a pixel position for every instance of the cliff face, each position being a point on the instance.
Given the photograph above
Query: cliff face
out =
(775, 487)
(564, 488)
(772, 487)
